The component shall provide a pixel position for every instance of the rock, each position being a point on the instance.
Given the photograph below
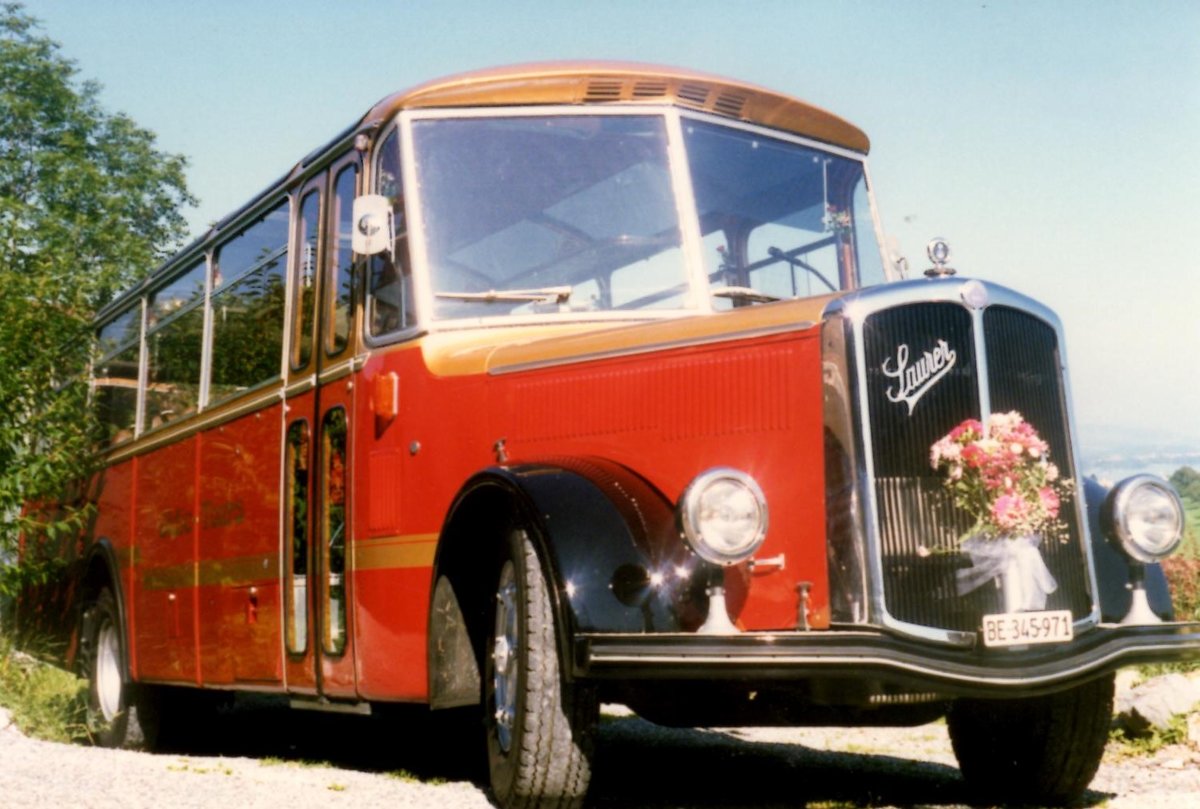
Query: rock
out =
(1155, 702)
(5, 719)
(1193, 731)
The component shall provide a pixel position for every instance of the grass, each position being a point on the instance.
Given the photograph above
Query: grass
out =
(186, 765)
(1191, 542)
(45, 702)
(1150, 742)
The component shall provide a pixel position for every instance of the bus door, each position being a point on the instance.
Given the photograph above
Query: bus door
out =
(318, 480)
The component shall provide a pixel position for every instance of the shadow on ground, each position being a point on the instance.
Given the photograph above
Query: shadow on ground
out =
(638, 765)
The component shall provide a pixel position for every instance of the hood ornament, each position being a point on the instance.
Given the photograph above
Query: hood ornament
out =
(938, 251)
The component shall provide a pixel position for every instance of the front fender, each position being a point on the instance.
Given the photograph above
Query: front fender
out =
(612, 543)
(606, 540)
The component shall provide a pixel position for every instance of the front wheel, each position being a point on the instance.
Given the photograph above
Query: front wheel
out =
(539, 728)
(1039, 750)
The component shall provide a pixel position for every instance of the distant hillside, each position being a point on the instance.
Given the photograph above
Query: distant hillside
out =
(1112, 452)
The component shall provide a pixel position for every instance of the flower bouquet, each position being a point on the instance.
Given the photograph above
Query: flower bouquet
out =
(1002, 478)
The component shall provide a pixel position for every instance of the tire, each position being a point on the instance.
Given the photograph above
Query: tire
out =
(1042, 750)
(119, 714)
(539, 728)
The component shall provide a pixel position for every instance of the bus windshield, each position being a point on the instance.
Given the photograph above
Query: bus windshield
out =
(554, 214)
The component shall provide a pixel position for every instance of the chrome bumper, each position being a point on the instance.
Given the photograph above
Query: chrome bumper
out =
(873, 655)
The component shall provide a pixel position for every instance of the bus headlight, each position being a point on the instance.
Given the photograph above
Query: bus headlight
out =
(724, 515)
(1144, 514)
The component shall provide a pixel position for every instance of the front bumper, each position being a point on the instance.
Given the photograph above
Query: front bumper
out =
(876, 656)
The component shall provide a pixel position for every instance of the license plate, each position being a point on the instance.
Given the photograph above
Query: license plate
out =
(1021, 628)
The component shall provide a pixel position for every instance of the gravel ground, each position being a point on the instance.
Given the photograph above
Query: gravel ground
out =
(265, 755)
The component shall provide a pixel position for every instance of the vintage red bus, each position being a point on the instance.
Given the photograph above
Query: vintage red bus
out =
(549, 385)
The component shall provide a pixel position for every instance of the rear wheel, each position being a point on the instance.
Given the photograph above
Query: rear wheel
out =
(119, 714)
(539, 728)
(1039, 750)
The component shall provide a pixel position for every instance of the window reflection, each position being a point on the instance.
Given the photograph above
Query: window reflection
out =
(778, 218)
(558, 213)
(305, 278)
(333, 529)
(297, 481)
(389, 282)
(247, 306)
(173, 367)
(342, 274)
(116, 382)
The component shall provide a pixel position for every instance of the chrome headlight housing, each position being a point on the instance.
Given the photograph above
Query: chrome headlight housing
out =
(723, 514)
(1145, 516)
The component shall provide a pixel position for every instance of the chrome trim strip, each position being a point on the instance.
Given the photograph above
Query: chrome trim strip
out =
(982, 382)
(338, 370)
(650, 348)
(883, 661)
(1105, 648)
(192, 425)
(303, 385)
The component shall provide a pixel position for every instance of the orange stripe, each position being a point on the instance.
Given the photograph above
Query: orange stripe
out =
(384, 553)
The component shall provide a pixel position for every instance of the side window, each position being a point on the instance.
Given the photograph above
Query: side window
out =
(334, 488)
(341, 294)
(304, 275)
(247, 306)
(389, 284)
(174, 344)
(115, 374)
(297, 482)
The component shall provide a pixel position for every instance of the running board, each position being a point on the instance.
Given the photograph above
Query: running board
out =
(325, 706)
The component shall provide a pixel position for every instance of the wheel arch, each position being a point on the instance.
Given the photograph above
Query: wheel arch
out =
(598, 530)
(101, 570)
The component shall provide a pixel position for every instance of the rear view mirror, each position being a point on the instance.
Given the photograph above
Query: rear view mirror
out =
(374, 228)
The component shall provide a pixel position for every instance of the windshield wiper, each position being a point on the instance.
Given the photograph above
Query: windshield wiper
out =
(540, 295)
(744, 294)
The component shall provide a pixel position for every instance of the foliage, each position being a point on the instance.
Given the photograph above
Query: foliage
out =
(45, 702)
(1001, 476)
(1150, 741)
(1186, 481)
(1183, 576)
(87, 206)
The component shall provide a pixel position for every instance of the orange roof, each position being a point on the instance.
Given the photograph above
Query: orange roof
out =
(625, 83)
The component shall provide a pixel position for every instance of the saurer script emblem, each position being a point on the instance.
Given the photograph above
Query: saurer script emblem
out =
(916, 379)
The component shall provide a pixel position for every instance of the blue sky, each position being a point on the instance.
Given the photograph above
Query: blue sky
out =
(1055, 144)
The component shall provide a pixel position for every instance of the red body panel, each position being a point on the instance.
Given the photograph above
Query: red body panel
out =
(239, 550)
(164, 582)
(203, 520)
(753, 404)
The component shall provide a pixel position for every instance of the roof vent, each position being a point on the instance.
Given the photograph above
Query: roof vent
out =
(650, 89)
(730, 104)
(696, 94)
(604, 90)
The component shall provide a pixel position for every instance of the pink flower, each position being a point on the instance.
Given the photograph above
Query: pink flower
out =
(1008, 511)
(1049, 500)
(1003, 479)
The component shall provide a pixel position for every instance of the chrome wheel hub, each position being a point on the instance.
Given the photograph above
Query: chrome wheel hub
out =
(505, 651)
(108, 671)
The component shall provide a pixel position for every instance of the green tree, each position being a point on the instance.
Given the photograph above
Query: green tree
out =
(1186, 481)
(88, 205)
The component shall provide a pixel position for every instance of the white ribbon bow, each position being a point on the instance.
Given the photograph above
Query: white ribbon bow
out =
(1016, 562)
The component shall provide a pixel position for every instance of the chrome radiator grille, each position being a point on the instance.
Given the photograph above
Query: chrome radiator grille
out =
(924, 376)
